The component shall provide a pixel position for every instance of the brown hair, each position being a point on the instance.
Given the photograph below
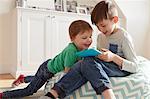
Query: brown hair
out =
(103, 10)
(78, 26)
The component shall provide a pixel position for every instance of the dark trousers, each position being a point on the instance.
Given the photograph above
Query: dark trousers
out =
(41, 76)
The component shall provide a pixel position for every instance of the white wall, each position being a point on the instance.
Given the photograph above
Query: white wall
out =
(5, 34)
(138, 23)
(148, 38)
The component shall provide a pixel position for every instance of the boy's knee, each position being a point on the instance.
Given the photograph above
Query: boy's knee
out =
(88, 62)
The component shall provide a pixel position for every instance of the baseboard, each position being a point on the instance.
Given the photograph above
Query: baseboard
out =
(4, 70)
(26, 73)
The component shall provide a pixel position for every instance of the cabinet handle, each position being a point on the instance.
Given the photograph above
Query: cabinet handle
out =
(49, 16)
(53, 17)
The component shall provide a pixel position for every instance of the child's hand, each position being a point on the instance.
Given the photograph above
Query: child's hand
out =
(106, 55)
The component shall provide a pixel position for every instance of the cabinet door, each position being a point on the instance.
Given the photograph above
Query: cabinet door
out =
(33, 40)
(59, 35)
(60, 31)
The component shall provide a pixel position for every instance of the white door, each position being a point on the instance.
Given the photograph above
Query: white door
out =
(33, 40)
(60, 31)
(59, 34)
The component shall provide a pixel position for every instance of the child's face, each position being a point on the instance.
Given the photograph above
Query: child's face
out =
(83, 40)
(106, 26)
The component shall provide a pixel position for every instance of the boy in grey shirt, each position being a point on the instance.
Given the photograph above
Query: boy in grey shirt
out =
(118, 58)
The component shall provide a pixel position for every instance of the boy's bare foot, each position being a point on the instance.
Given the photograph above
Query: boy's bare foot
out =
(108, 94)
(54, 93)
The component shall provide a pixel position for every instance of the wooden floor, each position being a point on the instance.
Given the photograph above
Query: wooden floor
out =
(6, 76)
(6, 80)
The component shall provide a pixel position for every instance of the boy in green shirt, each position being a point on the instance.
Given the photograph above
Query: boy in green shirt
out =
(80, 33)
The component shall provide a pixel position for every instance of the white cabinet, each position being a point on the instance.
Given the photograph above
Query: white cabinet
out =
(33, 34)
(40, 35)
(58, 36)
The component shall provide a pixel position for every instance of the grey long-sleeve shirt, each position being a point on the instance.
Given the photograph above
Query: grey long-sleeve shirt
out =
(121, 44)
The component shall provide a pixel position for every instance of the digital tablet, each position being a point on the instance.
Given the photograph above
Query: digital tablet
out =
(88, 52)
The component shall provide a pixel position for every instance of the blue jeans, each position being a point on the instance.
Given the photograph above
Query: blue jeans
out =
(91, 69)
(41, 76)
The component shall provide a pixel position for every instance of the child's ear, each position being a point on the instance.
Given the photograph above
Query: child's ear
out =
(115, 19)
